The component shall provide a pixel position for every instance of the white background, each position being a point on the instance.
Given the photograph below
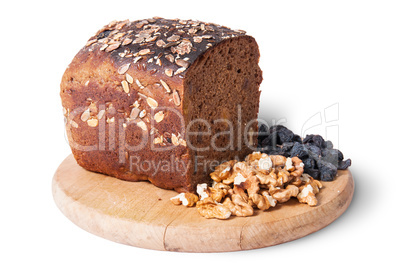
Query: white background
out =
(314, 55)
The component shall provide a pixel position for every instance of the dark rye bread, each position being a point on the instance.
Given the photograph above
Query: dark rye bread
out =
(144, 100)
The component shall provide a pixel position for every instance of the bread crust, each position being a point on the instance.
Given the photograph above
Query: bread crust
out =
(135, 65)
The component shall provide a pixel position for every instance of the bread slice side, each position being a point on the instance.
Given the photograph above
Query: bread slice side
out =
(222, 91)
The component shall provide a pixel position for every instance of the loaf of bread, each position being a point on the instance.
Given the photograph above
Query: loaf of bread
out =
(162, 100)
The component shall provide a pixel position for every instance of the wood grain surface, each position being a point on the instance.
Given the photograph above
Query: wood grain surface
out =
(141, 215)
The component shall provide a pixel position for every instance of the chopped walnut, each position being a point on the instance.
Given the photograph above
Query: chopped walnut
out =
(317, 185)
(186, 199)
(260, 201)
(239, 190)
(201, 190)
(265, 164)
(238, 206)
(269, 179)
(255, 156)
(284, 195)
(289, 165)
(221, 186)
(259, 182)
(222, 171)
(308, 191)
(272, 202)
(244, 169)
(208, 208)
(278, 160)
(216, 194)
(283, 177)
(296, 181)
(251, 185)
(239, 179)
(298, 167)
(307, 196)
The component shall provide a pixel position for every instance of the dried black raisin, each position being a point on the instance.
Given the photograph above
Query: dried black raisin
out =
(333, 156)
(320, 159)
(297, 138)
(315, 139)
(313, 172)
(299, 150)
(262, 133)
(328, 144)
(314, 151)
(344, 164)
(285, 149)
(280, 134)
(309, 163)
(327, 170)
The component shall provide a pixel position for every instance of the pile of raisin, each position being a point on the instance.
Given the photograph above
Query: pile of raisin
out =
(320, 159)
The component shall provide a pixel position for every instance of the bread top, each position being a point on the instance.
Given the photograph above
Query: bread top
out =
(163, 46)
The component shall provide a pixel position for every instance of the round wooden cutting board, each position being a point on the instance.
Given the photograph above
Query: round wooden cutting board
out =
(140, 214)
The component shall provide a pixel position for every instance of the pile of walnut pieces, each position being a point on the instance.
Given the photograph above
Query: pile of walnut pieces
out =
(260, 181)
